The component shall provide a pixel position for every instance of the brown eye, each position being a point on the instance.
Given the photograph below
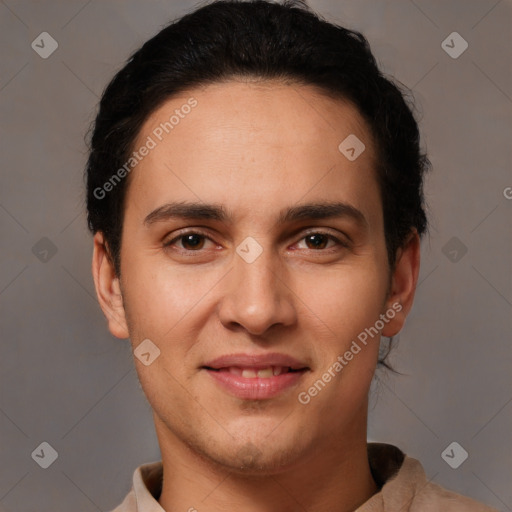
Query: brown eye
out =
(316, 241)
(192, 241)
(188, 242)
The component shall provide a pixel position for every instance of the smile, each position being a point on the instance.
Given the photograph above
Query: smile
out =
(253, 373)
(255, 376)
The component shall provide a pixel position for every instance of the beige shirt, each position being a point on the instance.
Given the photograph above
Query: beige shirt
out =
(402, 481)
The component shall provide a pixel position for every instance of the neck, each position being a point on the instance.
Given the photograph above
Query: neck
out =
(336, 477)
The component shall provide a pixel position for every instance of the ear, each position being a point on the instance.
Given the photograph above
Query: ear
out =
(108, 288)
(403, 284)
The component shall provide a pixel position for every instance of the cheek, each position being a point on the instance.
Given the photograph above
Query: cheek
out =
(170, 305)
(347, 299)
(155, 298)
(345, 306)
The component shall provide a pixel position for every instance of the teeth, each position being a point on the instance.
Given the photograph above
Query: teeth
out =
(252, 373)
(262, 373)
(266, 372)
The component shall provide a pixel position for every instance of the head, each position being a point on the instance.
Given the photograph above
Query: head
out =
(254, 185)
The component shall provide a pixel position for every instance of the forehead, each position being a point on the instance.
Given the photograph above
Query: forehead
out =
(296, 113)
(269, 141)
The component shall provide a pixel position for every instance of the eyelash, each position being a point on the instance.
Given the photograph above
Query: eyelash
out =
(200, 233)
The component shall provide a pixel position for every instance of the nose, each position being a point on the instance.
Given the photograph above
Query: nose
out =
(256, 295)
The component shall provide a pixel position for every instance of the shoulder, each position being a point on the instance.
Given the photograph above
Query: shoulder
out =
(427, 496)
(404, 486)
(436, 498)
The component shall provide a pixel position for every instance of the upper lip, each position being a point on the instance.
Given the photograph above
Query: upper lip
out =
(255, 361)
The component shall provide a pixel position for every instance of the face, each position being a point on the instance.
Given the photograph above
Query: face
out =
(254, 260)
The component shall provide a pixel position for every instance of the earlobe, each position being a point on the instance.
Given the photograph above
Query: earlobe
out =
(403, 284)
(108, 288)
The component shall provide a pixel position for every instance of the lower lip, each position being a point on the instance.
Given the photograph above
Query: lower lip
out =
(255, 388)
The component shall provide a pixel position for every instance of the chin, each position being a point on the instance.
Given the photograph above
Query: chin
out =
(257, 455)
(252, 460)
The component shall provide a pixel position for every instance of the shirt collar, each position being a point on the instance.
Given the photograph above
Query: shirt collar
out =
(147, 486)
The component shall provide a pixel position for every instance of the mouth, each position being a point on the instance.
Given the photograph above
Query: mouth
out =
(253, 377)
(256, 372)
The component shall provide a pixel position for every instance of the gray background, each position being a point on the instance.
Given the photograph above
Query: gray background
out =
(66, 381)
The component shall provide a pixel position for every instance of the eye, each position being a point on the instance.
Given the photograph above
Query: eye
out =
(191, 241)
(194, 241)
(318, 240)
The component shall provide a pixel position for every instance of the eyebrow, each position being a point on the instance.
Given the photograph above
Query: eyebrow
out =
(309, 211)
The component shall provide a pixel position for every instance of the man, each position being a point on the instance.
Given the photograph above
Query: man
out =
(255, 194)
